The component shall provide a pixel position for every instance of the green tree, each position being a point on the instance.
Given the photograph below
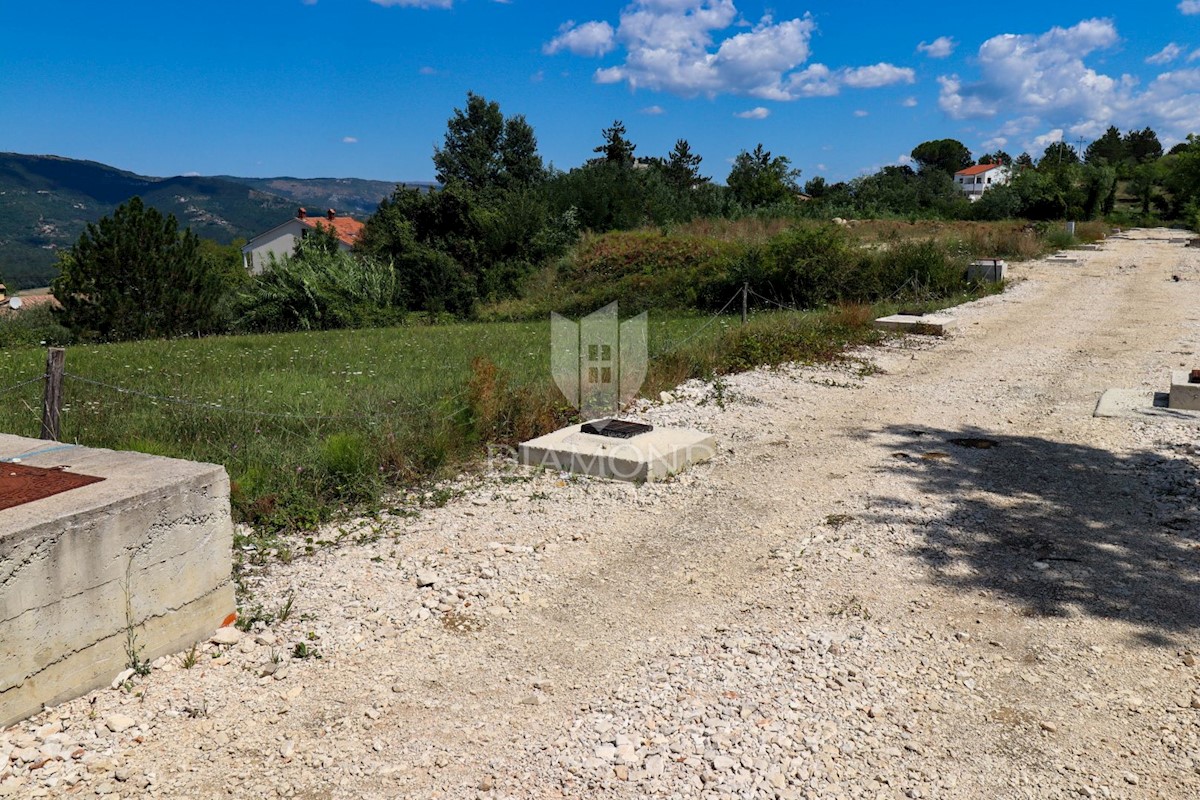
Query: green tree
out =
(1058, 154)
(1108, 150)
(134, 275)
(616, 148)
(484, 152)
(761, 179)
(998, 157)
(1143, 146)
(1144, 183)
(816, 187)
(1023, 162)
(683, 167)
(946, 155)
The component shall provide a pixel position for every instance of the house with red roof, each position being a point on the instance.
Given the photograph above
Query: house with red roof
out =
(281, 240)
(976, 180)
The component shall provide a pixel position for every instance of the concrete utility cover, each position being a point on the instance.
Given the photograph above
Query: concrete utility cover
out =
(20, 484)
(647, 457)
(1140, 404)
(927, 324)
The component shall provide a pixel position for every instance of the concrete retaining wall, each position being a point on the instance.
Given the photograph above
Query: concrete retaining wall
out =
(156, 532)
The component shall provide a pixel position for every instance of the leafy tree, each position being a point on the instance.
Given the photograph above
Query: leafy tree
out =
(1108, 150)
(683, 167)
(616, 148)
(1143, 146)
(134, 275)
(1058, 154)
(947, 155)
(1023, 162)
(483, 151)
(760, 179)
(816, 187)
(1177, 149)
(998, 157)
(1145, 179)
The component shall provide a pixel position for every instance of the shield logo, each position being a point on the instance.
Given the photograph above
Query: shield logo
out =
(599, 363)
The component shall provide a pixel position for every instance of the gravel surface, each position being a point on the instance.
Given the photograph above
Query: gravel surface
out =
(926, 572)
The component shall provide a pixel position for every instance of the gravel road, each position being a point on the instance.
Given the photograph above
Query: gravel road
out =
(928, 572)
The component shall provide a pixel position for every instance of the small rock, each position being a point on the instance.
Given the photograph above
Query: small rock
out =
(1189, 660)
(228, 635)
(1048, 727)
(723, 763)
(533, 700)
(122, 677)
(1130, 778)
(287, 749)
(426, 577)
(487, 784)
(119, 722)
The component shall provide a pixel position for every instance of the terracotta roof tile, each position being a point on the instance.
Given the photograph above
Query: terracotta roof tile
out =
(347, 229)
(978, 169)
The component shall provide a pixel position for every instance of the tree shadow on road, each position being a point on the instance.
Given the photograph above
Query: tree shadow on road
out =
(1060, 528)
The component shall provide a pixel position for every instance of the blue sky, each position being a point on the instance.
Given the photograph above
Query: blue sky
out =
(363, 88)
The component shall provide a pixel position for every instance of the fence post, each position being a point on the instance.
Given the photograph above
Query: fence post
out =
(745, 299)
(52, 397)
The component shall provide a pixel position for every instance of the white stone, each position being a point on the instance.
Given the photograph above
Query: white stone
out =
(228, 635)
(927, 324)
(119, 722)
(1185, 396)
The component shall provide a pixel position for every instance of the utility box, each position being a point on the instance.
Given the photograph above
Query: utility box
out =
(1185, 391)
(96, 545)
(987, 270)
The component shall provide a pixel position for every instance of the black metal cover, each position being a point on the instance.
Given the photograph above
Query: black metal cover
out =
(616, 428)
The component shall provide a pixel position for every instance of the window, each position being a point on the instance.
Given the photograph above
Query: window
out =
(250, 260)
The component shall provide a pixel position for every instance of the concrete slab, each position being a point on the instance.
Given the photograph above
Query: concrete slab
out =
(1140, 404)
(1185, 396)
(647, 457)
(1061, 258)
(148, 547)
(1090, 247)
(926, 325)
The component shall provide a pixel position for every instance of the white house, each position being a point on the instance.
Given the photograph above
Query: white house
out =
(281, 240)
(974, 181)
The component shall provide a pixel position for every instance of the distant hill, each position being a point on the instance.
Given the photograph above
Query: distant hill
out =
(47, 201)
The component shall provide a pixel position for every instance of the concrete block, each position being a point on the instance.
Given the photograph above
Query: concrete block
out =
(647, 457)
(1141, 404)
(987, 269)
(151, 545)
(1185, 396)
(926, 325)
(1062, 258)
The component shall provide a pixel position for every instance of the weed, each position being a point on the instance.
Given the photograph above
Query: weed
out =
(836, 521)
(133, 651)
(285, 611)
(302, 651)
(852, 606)
(190, 657)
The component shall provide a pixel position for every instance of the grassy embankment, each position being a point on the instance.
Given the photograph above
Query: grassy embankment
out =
(340, 418)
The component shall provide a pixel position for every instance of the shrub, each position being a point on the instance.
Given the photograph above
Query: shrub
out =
(32, 327)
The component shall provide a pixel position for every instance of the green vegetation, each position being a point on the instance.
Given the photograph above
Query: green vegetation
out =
(134, 275)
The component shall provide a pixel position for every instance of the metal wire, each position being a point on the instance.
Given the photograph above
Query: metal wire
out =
(23, 384)
(701, 329)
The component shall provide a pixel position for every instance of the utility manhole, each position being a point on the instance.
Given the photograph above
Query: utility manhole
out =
(616, 428)
(20, 484)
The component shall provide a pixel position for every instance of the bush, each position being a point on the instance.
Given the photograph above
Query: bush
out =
(32, 327)
(321, 290)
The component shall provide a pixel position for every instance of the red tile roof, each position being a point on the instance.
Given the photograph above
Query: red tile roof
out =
(31, 301)
(978, 169)
(347, 229)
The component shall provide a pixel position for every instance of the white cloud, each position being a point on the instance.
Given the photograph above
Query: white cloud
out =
(1166, 55)
(861, 113)
(427, 71)
(1043, 82)
(349, 140)
(1048, 138)
(588, 39)
(940, 47)
(995, 143)
(690, 47)
(754, 113)
(909, 102)
(415, 3)
(904, 160)
(654, 111)
(1189, 6)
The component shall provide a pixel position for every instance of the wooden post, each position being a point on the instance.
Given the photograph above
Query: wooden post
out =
(53, 396)
(745, 300)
